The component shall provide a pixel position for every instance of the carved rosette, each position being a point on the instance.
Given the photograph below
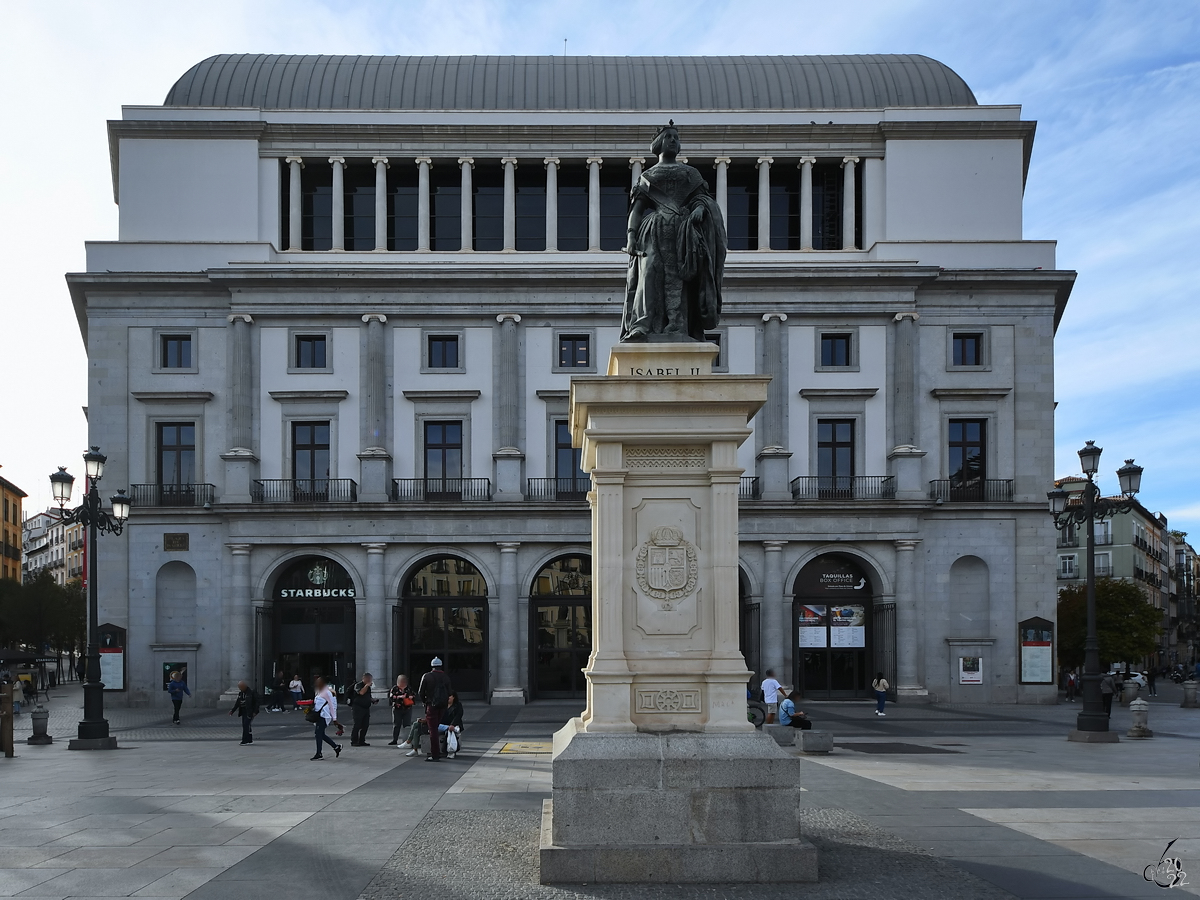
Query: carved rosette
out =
(666, 567)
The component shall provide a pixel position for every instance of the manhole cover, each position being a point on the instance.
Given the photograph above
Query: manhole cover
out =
(893, 748)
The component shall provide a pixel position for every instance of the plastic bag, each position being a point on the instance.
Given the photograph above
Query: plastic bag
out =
(451, 741)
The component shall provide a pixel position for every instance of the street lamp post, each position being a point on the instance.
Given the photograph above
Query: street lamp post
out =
(1091, 725)
(93, 728)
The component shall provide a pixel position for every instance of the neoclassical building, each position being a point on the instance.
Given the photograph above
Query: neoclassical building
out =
(330, 354)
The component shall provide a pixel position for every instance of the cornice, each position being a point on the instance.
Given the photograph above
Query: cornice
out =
(302, 396)
(970, 393)
(970, 130)
(172, 396)
(847, 393)
(425, 396)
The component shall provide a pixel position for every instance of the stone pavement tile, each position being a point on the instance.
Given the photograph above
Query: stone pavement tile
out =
(1127, 816)
(198, 857)
(1066, 877)
(18, 835)
(123, 820)
(177, 884)
(100, 858)
(96, 882)
(25, 857)
(251, 820)
(13, 881)
(99, 837)
(195, 836)
(988, 847)
(257, 836)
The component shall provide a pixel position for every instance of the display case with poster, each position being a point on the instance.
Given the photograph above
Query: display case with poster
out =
(970, 670)
(1036, 637)
(112, 656)
(811, 621)
(170, 667)
(848, 625)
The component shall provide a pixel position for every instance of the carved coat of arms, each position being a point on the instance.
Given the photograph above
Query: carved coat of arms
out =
(666, 566)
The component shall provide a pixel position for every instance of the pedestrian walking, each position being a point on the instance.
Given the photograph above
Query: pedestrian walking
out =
(246, 705)
(770, 688)
(177, 687)
(279, 692)
(323, 712)
(435, 693)
(81, 667)
(1108, 687)
(296, 686)
(880, 687)
(1072, 686)
(1151, 680)
(360, 705)
(401, 699)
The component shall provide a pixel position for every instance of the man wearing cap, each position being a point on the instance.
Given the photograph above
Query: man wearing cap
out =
(435, 694)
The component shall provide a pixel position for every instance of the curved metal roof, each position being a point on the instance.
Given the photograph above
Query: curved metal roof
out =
(571, 82)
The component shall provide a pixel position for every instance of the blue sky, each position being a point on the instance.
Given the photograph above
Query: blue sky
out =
(1114, 87)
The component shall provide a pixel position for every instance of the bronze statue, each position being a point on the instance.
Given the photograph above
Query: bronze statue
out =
(676, 245)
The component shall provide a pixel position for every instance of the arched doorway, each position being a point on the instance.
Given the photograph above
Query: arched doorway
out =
(311, 628)
(832, 629)
(443, 613)
(560, 614)
(749, 628)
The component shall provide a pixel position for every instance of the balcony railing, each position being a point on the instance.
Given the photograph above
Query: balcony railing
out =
(441, 490)
(170, 495)
(557, 488)
(1068, 575)
(1072, 541)
(1104, 571)
(749, 488)
(304, 490)
(991, 490)
(12, 551)
(844, 487)
(1103, 539)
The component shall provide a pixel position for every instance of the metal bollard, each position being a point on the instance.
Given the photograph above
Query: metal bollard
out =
(1141, 713)
(40, 717)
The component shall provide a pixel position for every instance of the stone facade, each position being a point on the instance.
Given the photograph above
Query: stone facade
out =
(427, 412)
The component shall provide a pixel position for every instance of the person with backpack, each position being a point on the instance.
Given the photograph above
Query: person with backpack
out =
(360, 705)
(322, 712)
(435, 693)
(177, 687)
(401, 698)
(246, 705)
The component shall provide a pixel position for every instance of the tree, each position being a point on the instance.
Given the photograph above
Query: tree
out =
(1127, 626)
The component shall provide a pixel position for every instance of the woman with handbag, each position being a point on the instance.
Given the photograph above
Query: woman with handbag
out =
(323, 711)
(402, 697)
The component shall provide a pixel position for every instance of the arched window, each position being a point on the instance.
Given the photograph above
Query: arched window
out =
(444, 614)
(175, 603)
(445, 576)
(560, 609)
(832, 626)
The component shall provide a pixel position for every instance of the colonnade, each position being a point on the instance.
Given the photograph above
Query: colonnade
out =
(551, 165)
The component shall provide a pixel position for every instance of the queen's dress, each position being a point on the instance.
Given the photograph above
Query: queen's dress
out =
(677, 257)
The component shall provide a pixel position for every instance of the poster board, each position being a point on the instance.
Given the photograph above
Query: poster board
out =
(848, 625)
(111, 639)
(970, 670)
(812, 620)
(1036, 641)
(169, 667)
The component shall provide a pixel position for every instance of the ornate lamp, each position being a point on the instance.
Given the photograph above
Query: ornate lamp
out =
(60, 486)
(1089, 458)
(120, 506)
(1130, 476)
(94, 460)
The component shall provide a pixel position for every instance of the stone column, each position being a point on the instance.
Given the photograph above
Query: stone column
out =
(239, 609)
(773, 456)
(338, 226)
(594, 202)
(908, 679)
(722, 198)
(848, 164)
(374, 457)
(806, 213)
(376, 630)
(239, 457)
(636, 164)
(551, 163)
(381, 167)
(905, 457)
(764, 202)
(467, 210)
(510, 202)
(776, 639)
(508, 689)
(423, 163)
(508, 455)
(295, 202)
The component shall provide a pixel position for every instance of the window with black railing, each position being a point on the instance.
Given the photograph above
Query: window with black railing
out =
(443, 458)
(176, 444)
(835, 457)
(571, 482)
(968, 456)
(310, 458)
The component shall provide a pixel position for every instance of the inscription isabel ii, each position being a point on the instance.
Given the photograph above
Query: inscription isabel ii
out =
(676, 245)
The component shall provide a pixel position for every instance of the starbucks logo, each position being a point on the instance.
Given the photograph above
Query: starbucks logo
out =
(318, 574)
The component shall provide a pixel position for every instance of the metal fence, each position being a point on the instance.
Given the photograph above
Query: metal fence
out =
(557, 488)
(304, 490)
(980, 490)
(171, 494)
(844, 487)
(441, 490)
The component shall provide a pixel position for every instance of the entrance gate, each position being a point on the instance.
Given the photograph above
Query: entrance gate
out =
(310, 631)
(833, 624)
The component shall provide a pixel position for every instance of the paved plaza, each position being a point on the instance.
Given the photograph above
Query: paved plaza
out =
(930, 802)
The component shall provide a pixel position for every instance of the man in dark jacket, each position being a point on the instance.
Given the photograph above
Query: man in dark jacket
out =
(435, 693)
(360, 705)
(246, 705)
(177, 687)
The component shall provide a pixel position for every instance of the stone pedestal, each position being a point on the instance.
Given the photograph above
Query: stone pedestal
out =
(373, 484)
(662, 778)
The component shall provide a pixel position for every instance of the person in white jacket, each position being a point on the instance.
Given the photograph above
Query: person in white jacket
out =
(325, 706)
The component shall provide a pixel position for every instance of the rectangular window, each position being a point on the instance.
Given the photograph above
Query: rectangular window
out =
(487, 185)
(358, 185)
(1066, 567)
(968, 452)
(835, 457)
(968, 349)
(443, 455)
(574, 351)
(741, 217)
(614, 206)
(311, 351)
(402, 207)
(785, 213)
(175, 351)
(531, 206)
(443, 351)
(1104, 565)
(572, 207)
(827, 190)
(445, 207)
(714, 337)
(310, 455)
(316, 205)
(176, 454)
(835, 349)
(567, 459)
